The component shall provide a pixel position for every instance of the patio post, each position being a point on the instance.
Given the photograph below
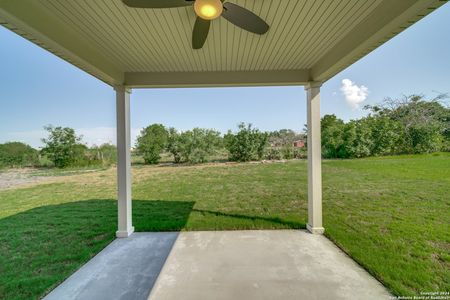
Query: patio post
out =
(125, 227)
(314, 159)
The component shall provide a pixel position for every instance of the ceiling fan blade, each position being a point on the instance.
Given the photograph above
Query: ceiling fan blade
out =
(200, 32)
(157, 3)
(244, 18)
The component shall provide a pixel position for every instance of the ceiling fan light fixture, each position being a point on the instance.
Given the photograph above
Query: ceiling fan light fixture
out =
(208, 9)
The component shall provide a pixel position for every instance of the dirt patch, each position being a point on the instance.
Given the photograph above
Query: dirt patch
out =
(19, 178)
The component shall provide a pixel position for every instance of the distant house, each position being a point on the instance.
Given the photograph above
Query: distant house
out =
(299, 144)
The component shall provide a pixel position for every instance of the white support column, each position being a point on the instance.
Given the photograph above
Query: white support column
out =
(125, 227)
(314, 159)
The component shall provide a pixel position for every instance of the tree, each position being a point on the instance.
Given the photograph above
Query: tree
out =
(151, 142)
(247, 144)
(425, 123)
(174, 144)
(284, 137)
(386, 135)
(193, 146)
(357, 139)
(17, 154)
(332, 130)
(62, 146)
(410, 124)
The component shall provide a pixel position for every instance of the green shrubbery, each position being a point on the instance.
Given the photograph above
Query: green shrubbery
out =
(17, 154)
(62, 149)
(408, 125)
(200, 145)
(192, 146)
(247, 144)
(65, 149)
(105, 154)
(273, 154)
(62, 146)
(151, 142)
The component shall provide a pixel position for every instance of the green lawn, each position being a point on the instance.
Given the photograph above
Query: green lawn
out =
(390, 214)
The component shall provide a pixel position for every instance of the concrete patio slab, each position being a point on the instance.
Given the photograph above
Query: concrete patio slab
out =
(262, 265)
(125, 269)
(275, 264)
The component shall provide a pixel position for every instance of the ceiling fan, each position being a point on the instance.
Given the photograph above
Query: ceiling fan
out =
(208, 10)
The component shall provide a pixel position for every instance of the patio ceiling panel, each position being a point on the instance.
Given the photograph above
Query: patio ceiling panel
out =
(152, 40)
(308, 39)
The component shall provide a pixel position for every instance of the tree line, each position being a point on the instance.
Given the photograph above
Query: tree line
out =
(407, 125)
(63, 148)
(200, 144)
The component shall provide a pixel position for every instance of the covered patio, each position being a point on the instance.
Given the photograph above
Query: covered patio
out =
(308, 43)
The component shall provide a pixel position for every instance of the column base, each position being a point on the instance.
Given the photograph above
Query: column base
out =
(125, 234)
(315, 230)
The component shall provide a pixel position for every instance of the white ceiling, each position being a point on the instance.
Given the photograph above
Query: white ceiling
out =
(307, 40)
(159, 40)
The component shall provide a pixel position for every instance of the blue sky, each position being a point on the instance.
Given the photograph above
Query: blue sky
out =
(37, 88)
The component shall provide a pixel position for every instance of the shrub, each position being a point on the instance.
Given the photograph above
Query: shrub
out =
(284, 137)
(17, 154)
(151, 142)
(287, 152)
(273, 154)
(174, 144)
(358, 142)
(193, 146)
(300, 153)
(107, 153)
(247, 144)
(332, 130)
(386, 134)
(424, 125)
(62, 146)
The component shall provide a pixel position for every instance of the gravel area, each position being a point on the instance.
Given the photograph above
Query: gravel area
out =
(19, 177)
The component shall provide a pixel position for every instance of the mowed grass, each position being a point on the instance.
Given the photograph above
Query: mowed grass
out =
(390, 214)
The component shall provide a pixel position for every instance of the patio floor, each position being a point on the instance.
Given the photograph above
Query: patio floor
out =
(275, 264)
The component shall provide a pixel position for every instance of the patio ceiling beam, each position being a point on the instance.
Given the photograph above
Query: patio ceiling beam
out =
(215, 79)
(28, 19)
(385, 22)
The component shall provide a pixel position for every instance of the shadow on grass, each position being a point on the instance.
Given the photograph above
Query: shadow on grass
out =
(44, 245)
(256, 221)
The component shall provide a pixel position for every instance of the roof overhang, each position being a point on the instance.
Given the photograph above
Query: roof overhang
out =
(308, 41)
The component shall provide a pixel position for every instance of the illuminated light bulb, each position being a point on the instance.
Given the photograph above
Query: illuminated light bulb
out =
(208, 9)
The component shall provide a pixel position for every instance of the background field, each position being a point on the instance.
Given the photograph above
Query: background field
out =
(390, 214)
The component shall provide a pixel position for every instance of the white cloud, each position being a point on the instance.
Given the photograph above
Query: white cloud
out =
(354, 94)
(91, 136)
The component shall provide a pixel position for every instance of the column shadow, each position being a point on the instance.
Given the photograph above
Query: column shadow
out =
(43, 246)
